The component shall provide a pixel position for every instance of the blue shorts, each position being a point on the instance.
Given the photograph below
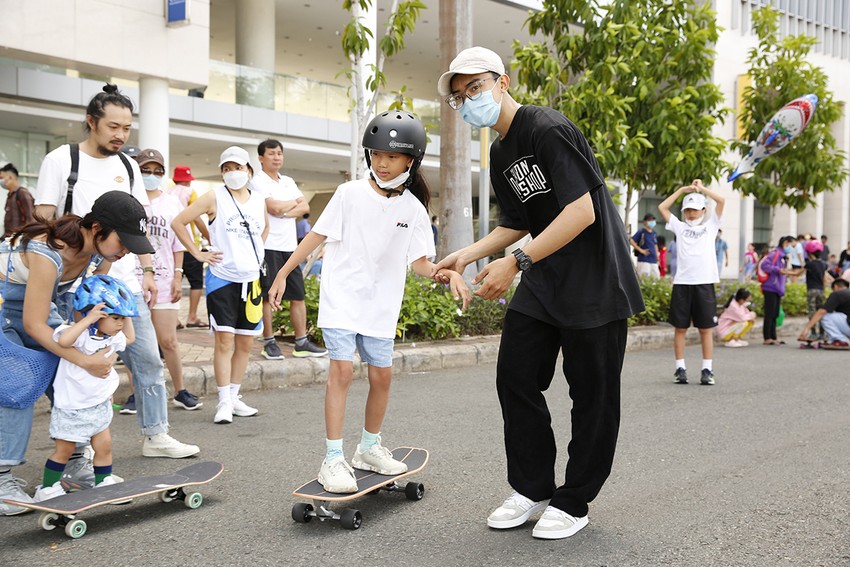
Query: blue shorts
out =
(80, 425)
(373, 350)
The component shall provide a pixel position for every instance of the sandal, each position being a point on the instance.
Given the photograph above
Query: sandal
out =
(198, 325)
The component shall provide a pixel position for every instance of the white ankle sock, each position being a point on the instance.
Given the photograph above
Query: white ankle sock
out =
(680, 363)
(706, 363)
(224, 393)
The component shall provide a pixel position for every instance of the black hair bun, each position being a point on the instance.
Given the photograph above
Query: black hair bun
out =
(110, 88)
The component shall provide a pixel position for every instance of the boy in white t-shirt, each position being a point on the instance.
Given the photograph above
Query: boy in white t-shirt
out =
(693, 297)
(82, 403)
(374, 229)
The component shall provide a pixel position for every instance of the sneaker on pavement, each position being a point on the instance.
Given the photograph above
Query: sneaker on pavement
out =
(109, 481)
(837, 345)
(515, 511)
(241, 409)
(129, 407)
(271, 351)
(337, 476)
(43, 493)
(681, 376)
(187, 401)
(13, 489)
(223, 412)
(308, 348)
(557, 524)
(377, 458)
(707, 377)
(733, 343)
(163, 445)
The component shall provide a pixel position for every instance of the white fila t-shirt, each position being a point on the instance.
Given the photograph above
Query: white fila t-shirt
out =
(96, 176)
(370, 242)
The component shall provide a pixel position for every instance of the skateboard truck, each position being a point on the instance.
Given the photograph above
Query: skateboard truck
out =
(349, 518)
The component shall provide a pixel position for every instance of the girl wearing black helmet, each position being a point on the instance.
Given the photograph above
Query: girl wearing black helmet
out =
(374, 229)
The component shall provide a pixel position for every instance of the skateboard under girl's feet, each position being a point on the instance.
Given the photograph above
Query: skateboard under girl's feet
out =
(368, 482)
(61, 511)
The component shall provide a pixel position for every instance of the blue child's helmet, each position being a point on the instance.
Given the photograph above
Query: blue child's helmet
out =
(115, 294)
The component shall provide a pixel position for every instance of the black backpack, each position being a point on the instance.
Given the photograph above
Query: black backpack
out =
(75, 168)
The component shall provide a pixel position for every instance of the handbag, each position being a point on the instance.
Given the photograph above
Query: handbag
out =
(26, 372)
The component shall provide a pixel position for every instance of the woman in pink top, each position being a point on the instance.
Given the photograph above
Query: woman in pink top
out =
(736, 320)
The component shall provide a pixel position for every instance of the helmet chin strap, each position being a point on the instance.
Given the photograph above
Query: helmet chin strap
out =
(389, 192)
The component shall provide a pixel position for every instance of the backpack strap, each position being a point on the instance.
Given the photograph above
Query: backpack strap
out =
(73, 176)
(75, 169)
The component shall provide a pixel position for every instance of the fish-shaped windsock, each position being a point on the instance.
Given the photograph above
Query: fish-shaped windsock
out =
(787, 123)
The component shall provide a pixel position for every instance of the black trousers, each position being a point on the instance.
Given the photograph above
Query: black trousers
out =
(593, 361)
(771, 312)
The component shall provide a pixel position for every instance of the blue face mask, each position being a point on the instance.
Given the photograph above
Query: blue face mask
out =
(650, 224)
(788, 249)
(151, 181)
(481, 113)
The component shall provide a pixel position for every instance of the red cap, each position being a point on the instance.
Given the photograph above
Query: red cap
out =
(182, 173)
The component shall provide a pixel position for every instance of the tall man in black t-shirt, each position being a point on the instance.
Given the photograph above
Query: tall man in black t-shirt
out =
(578, 287)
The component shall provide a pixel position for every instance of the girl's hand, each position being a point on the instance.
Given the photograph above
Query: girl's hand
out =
(210, 257)
(176, 289)
(459, 288)
(276, 291)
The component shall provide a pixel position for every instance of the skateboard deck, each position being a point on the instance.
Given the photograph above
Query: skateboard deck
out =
(810, 343)
(61, 511)
(367, 482)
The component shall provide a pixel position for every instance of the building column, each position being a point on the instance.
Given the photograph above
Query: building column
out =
(362, 68)
(255, 52)
(154, 116)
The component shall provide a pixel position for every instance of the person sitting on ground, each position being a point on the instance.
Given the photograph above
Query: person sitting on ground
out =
(834, 316)
(82, 403)
(736, 320)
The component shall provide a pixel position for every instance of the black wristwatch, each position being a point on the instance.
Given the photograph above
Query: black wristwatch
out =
(523, 260)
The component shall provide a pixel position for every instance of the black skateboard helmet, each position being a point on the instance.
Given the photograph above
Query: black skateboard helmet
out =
(396, 131)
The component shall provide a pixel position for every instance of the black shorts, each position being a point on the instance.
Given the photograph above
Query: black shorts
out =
(693, 302)
(193, 271)
(275, 259)
(234, 307)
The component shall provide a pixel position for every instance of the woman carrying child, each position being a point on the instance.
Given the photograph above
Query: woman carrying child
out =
(736, 320)
(374, 228)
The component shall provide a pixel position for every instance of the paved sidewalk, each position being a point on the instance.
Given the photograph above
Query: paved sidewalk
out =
(196, 347)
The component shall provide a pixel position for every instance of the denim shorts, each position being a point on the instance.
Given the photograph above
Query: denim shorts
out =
(80, 425)
(374, 351)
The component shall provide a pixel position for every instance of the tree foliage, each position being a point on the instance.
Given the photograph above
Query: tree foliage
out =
(636, 78)
(357, 39)
(779, 73)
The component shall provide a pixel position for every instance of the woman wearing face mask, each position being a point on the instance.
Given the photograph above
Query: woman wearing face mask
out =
(238, 223)
(775, 265)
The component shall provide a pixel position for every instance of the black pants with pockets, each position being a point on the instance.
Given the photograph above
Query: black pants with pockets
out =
(593, 360)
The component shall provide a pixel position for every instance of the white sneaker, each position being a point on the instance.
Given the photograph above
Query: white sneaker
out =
(734, 343)
(223, 412)
(557, 524)
(337, 476)
(163, 445)
(109, 481)
(12, 488)
(241, 409)
(515, 511)
(43, 493)
(377, 458)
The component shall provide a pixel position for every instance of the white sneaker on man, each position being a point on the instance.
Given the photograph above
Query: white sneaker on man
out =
(43, 493)
(557, 524)
(377, 458)
(163, 445)
(223, 412)
(12, 488)
(514, 511)
(337, 476)
(241, 409)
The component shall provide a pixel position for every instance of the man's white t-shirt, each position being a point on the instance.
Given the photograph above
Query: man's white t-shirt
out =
(696, 260)
(74, 387)
(96, 176)
(370, 242)
(282, 233)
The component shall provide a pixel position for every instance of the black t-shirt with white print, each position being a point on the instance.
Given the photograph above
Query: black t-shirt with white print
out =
(541, 166)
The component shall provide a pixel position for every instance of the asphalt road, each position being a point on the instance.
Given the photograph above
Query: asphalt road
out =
(752, 471)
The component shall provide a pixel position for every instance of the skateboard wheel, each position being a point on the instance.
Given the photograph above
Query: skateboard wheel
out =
(414, 491)
(350, 519)
(301, 512)
(167, 496)
(75, 529)
(194, 500)
(46, 521)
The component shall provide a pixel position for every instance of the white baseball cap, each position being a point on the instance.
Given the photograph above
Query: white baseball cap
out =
(470, 62)
(234, 154)
(694, 201)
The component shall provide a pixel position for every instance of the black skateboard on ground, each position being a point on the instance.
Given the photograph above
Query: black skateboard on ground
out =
(62, 510)
(368, 482)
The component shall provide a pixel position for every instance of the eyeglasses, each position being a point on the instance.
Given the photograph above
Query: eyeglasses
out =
(472, 92)
(156, 172)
